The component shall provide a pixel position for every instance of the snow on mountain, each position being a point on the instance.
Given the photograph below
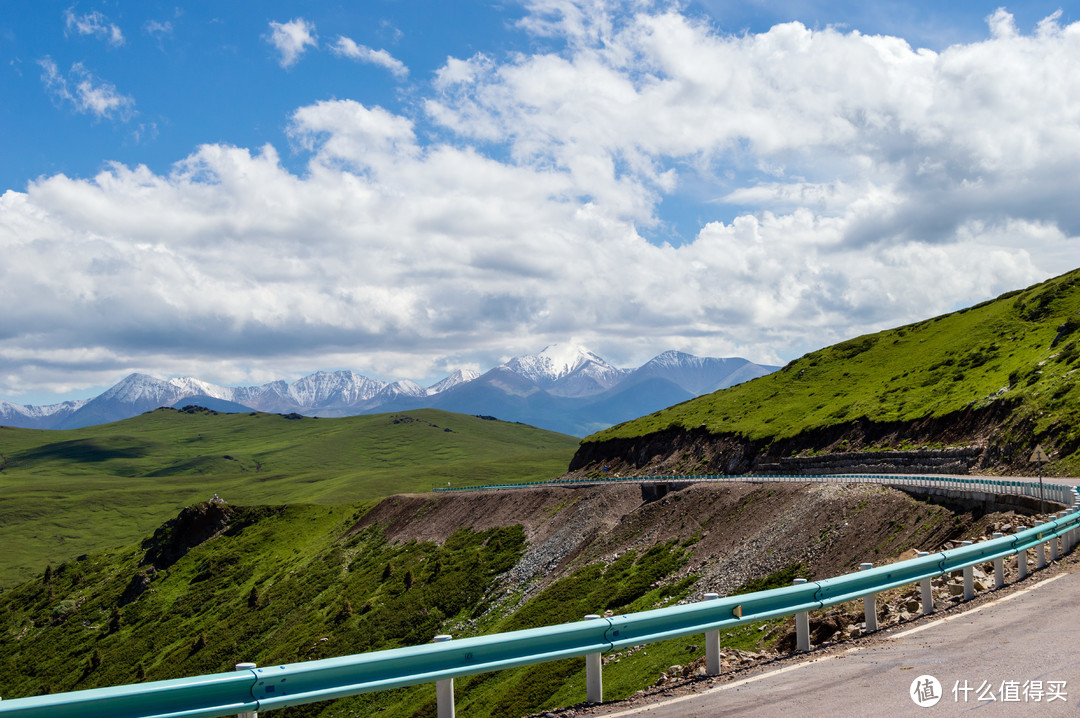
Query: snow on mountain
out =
(405, 387)
(567, 370)
(140, 389)
(190, 386)
(699, 375)
(336, 387)
(10, 409)
(554, 362)
(460, 376)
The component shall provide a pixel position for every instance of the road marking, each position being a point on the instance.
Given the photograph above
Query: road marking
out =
(718, 689)
(803, 664)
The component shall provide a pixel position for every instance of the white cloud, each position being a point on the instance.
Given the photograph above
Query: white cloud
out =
(291, 39)
(95, 24)
(85, 92)
(158, 29)
(346, 47)
(860, 184)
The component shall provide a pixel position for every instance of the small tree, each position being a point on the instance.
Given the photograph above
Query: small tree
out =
(253, 598)
(345, 612)
(96, 659)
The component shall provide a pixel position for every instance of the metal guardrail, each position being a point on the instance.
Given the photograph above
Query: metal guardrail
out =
(259, 689)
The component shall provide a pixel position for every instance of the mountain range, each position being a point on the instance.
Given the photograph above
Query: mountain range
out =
(564, 388)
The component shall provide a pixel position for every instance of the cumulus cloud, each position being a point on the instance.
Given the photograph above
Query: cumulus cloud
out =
(348, 48)
(292, 39)
(94, 24)
(856, 184)
(85, 92)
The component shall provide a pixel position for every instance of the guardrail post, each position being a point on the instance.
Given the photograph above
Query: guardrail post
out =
(247, 667)
(1040, 555)
(594, 682)
(712, 645)
(444, 689)
(927, 592)
(802, 625)
(969, 578)
(1064, 538)
(999, 566)
(869, 604)
(1021, 564)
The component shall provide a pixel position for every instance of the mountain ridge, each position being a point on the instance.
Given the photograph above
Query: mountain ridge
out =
(564, 388)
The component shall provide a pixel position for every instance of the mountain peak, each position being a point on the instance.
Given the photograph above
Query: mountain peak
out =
(461, 376)
(554, 362)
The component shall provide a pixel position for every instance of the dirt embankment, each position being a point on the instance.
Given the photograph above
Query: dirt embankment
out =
(734, 532)
(988, 431)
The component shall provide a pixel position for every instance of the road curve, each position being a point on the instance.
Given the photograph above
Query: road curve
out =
(1022, 649)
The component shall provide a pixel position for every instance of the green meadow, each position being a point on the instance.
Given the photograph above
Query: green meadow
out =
(65, 493)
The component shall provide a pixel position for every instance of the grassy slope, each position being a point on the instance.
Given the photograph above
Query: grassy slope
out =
(64, 493)
(998, 350)
(290, 584)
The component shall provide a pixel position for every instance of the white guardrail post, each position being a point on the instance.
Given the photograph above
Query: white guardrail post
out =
(969, 577)
(802, 625)
(869, 603)
(1040, 555)
(247, 667)
(927, 591)
(712, 644)
(594, 682)
(999, 566)
(444, 689)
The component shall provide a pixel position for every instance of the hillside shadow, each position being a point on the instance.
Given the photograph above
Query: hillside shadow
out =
(85, 451)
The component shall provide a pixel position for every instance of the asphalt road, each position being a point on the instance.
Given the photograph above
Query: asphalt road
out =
(1018, 655)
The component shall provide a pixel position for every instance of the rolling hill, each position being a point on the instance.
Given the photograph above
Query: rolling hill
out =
(64, 493)
(999, 377)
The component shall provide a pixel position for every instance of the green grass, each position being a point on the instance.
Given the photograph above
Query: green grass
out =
(65, 493)
(286, 584)
(999, 351)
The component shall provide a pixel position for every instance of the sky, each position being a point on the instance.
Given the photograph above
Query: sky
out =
(245, 192)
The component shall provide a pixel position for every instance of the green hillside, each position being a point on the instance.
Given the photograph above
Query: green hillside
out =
(1019, 352)
(64, 493)
(286, 584)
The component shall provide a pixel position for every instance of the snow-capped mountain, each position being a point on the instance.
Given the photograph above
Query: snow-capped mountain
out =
(564, 388)
(458, 377)
(700, 375)
(402, 388)
(326, 388)
(567, 370)
(41, 417)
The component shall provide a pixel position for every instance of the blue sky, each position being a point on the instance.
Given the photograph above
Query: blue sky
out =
(251, 191)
